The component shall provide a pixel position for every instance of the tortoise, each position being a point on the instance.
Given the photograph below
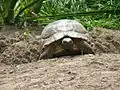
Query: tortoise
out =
(64, 37)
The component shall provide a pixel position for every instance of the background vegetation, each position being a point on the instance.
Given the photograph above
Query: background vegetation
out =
(91, 13)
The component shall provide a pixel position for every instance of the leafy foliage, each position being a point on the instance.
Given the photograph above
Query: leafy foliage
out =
(91, 13)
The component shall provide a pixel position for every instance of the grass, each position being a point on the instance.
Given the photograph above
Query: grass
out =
(31, 8)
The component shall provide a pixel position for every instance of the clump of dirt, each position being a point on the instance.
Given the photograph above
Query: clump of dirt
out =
(106, 40)
(3, 43)
(20, 52)
(17, 48)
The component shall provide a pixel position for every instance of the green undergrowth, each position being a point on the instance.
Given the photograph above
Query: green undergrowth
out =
(110, 23)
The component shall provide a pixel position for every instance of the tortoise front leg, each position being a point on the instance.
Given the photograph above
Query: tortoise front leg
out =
(47, 52)
(84, 47)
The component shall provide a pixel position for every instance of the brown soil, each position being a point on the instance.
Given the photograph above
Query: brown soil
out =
(20, 68)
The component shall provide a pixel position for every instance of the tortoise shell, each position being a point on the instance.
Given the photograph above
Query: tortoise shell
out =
(63, 28)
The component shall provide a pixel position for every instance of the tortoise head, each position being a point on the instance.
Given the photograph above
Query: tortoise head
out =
(67, 43)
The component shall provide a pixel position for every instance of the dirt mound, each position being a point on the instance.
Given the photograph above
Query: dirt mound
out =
(17, 48)
(106, 40)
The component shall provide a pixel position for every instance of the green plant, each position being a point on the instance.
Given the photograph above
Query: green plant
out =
(12, 10)
(90, 13)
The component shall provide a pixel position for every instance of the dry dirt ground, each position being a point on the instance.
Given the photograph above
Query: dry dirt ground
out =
(21, 69)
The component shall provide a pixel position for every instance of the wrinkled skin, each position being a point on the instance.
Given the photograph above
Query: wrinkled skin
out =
(79, 47)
